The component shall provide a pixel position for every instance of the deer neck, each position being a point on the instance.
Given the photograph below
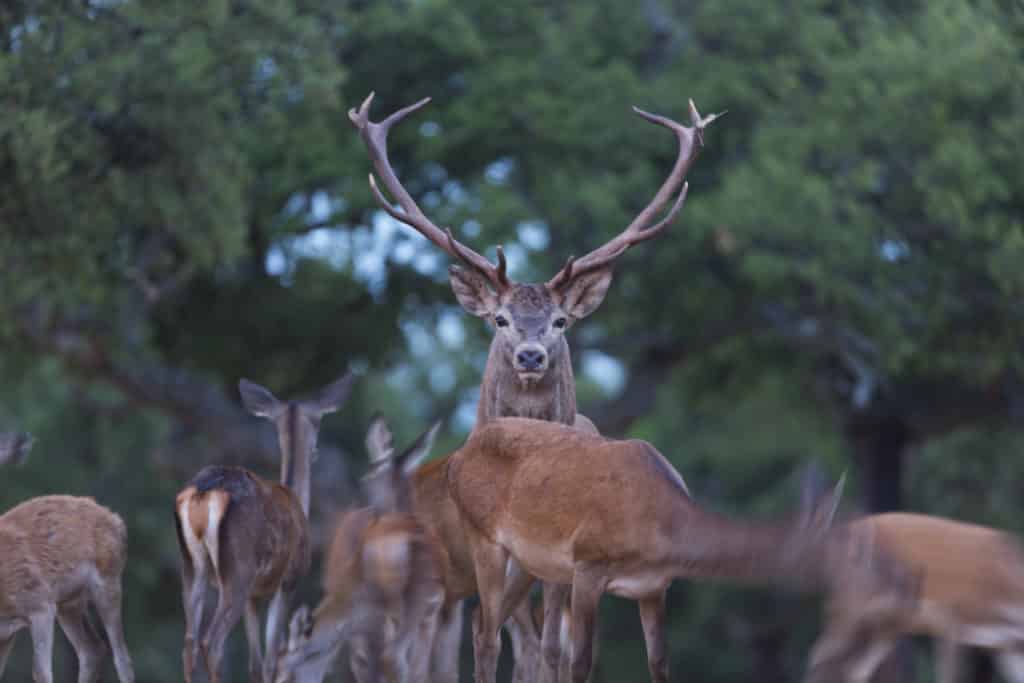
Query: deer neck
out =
(713, 546)
(295, 457)
(502, 394)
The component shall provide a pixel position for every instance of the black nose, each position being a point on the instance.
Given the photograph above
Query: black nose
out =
(530, 359)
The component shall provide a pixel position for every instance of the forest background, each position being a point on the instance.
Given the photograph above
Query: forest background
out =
(183, 202)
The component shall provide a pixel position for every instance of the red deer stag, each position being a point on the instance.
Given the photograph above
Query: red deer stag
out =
(57, 555)
(959, 583)
(249, 535)
(382, 568)
(602, 516)
(529, 369)
(14, 447)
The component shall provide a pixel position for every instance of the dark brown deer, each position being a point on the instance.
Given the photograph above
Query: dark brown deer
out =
(604, 516)
(529, 368)
(250, 536)
(58, 554)
(383, 580)
(14, 447)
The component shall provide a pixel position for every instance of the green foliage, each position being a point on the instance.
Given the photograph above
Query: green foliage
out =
(180, 187)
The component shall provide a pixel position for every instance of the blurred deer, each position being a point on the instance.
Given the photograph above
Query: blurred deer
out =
(58, 554)
(900, 574)
(603, 516)
(250, 536)
(14, 447)
(529, 369)
(383, 581)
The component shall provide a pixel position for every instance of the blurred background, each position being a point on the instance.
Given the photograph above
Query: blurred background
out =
(183, 202)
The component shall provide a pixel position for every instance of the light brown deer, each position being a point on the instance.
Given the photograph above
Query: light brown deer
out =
(529, 368)
(58, 554)
(959, 583)
(383, 581)
(250, 536)
(603, 516)
(14, 447)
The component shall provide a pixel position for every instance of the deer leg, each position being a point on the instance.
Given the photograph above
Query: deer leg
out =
(489, 560)
(555, 596)
(6, 645)
(422, 629)
(521, 629)
(446, 644)
(89, 648)
(193, 597)
(107, 598)
(277, 623)
(652, 616)
(1010, 662)
(252, 638)
(587, 587)
(949, 659)
(41, 628)
(229, 610)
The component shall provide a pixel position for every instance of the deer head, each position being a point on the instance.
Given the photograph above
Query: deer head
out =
(298, 424)
(530, 320)
(387, 484)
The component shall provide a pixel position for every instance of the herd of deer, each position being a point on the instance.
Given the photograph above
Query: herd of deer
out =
(535, 493)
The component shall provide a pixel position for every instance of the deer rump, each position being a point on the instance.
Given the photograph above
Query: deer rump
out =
(227, 516)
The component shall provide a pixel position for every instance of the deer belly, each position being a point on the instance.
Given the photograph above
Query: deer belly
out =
(639, 584)
(550, 562)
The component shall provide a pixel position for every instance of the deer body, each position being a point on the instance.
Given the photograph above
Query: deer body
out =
(602, 516)
(57, 555)
(529, 369)
(968, 589)
(249, 536)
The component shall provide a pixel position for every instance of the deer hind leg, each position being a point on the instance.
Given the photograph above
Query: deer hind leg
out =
(41, 628)
(6, 645)
(193, 587)
(521, 628)
(555, 597)
(446, 644)
(490, 561)
(230, 606)
(277, 623)
(1011, 665)
(252, 637)
(422, 629)
(588, 585)
(89, 647)
(106, 596)
(652, 616)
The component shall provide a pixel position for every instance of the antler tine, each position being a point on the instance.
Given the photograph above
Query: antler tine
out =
(375, 136)
(691, 140)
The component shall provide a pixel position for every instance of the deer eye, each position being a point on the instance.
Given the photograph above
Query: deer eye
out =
(500, 321)
(561, 323)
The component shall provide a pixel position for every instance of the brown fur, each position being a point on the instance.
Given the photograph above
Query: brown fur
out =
(58, 554)
(380, 569)
(899, 574)
(603, 516)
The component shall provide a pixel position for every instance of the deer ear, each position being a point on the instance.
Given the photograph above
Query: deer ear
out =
(333, 396)
(258, 400)
(473, 291)
(583, 294)
(378, 440)
(417, 453)
(823, 513)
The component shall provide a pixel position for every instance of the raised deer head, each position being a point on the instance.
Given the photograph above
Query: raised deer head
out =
(529, 370)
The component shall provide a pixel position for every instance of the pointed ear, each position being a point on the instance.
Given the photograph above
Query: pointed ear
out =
(473, 291)
(417, 453)
(823, 514)
(582, 295)
(258, 400)
(378, 440)
(334, 395)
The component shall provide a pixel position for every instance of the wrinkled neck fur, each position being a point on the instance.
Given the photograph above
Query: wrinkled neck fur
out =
(295, 453)
(502, 394)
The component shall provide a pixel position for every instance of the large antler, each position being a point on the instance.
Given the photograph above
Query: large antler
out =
(375, 135)
(691, 140)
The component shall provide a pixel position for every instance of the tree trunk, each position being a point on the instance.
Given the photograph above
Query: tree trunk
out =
(880, 444)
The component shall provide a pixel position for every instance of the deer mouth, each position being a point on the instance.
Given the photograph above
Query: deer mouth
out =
(529, 377)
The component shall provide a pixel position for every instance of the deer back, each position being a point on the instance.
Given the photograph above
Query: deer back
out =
(50, 545)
